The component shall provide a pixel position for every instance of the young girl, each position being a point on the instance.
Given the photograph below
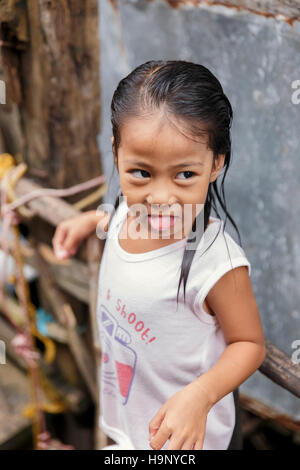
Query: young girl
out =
(171, 358)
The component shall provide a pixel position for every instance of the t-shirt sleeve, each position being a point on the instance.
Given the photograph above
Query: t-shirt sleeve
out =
(217, 263)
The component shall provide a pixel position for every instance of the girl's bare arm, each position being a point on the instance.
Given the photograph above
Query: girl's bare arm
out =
(71, 232)
(183, 416)
(233, 301)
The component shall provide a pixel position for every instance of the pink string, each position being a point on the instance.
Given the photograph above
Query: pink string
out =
(22, 346)
(53, 192)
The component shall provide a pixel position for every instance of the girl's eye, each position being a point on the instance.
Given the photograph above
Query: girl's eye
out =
(142, 171)
(146, 174)
(192, 173)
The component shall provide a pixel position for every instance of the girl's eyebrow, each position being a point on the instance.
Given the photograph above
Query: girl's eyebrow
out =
(180, 165)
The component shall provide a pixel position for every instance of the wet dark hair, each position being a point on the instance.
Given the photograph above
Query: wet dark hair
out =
(188, 91)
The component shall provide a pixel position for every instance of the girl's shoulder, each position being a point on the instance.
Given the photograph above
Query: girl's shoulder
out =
(218, 248)
(219, 254)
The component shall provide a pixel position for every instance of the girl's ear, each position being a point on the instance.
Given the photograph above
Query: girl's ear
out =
(218, 164)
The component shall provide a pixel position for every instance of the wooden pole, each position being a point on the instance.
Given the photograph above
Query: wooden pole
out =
(278, 367)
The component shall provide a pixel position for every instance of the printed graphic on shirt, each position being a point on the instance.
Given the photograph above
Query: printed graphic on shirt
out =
(118, 358)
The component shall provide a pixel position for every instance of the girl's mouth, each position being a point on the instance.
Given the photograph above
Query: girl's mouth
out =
(159, 222)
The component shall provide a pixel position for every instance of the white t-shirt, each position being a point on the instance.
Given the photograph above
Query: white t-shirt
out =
(151, 349)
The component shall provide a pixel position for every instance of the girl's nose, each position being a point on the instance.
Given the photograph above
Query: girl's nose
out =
(160, 201)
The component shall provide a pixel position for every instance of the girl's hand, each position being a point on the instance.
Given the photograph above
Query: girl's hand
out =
(182, 419)
(70, 233)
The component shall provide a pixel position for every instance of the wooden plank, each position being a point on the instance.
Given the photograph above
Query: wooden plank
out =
(278, 367)
(51, 209)
(259, 408)
(54, 86)
(71, 275)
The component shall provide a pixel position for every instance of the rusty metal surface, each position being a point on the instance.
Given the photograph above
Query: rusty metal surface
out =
(256, 59)
(289, 10)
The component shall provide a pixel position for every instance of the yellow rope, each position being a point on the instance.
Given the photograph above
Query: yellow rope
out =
(34, 397)
(6, 165)
(91, 198)
(34, 408)
(6, 162)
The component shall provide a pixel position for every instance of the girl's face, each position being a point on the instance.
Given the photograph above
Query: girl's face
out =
(165, 171)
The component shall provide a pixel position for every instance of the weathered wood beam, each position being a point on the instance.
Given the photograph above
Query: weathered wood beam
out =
(53, 82)
(266, 412)
(279, 367)
(51, 209)
(70, 275)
